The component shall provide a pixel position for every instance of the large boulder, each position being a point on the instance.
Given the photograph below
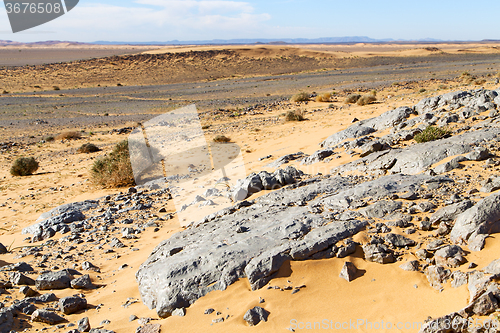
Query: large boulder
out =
(472, 225)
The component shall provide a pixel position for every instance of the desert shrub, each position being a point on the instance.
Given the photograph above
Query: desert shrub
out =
(88, 148)
(69, 135)
(221, 139)
(295, 115)
(467, 78)
(49, 138)
(114, 170)
(422, 90)
(300, 97)
(479, 82)
(353, 98)
(24, 166)
(326, 97)
(56, 88)
(431, 133)
(367, 99)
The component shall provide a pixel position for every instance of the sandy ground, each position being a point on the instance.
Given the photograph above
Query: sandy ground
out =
(384, 293)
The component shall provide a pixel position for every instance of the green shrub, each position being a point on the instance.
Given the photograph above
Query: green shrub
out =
(221, 139)
(300, 97)
(24, 166)
(431, 133)
(115, 169)
(88, 148)
(353, 98)
(295, 115)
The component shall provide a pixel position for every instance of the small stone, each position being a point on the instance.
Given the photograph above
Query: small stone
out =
(83, 282)
(72, 304)
(410, 266)
(209, 311)
(47, 317)
(255, 315)
(181, 312)
(348, 271)
(132, 317)
(84, 324)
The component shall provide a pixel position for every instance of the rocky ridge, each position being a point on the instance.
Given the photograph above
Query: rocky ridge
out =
(381, 193)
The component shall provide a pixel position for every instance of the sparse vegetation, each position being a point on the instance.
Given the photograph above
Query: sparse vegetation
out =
(88, 148)
(221, 139)
(295, 115)
(422, 90)
(24, 166)
(114, 170)
(300, 97)
(49, 138)
(69, 135)
(431, 133)
(326, 97)
(353, 98)
(56, 88)
(367, 99)
(479, 82)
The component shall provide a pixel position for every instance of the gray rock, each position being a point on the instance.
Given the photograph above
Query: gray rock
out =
(27, 291)
(6, 320)
(255, 315)
(116, 243)
(478, 154)
(84, 324)
(399, 240)
(352, 132)
(492, 184)
(348, 271)
(485, 304)
(478, 284)
(286, 159)
(477, 222)
(72, 304)
(436, 275)
(181, 312)
(17, 267)
(459, 279)
(47, 317)
(348, 248)
(20, 279)
(450, 212)
(102, 330)
(381, 208)
(443, 324)
(378, 253)
(493, 267)
(418, 157)
(451, 256)
(410, 266)
(82, 282)
(423, 254)
(373, 147)
(88, 266)
(53, 280)
(450, 165)
(317, 156)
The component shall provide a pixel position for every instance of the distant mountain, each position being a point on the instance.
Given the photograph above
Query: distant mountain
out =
(353, 39)
(277, 41)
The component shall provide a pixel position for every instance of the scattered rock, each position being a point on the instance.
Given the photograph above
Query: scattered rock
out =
(255, 316)
(436, 275)
(84, 324)
(53, 280)
(72, 304)
(82, 282)
(410, 266)
(47, 317)
(348, 271)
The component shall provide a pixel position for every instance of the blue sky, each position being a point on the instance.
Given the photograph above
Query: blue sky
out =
(165, 20)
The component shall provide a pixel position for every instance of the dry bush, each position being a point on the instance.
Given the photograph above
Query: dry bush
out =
(300, 97)
(295, 115)
(431, 133)
(467, 78)
(221, 139)
(367, 99)
(114, 170)
(88, 148)
(69, 135)
(326, 97)
(422, 90)
(56, 88)
(479, 82)
(49, 138)
(24, 166)
(353, 98)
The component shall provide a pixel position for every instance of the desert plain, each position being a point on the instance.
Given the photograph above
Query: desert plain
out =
(244, 93)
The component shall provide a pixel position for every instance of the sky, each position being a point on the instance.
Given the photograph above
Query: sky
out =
(188, 20)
